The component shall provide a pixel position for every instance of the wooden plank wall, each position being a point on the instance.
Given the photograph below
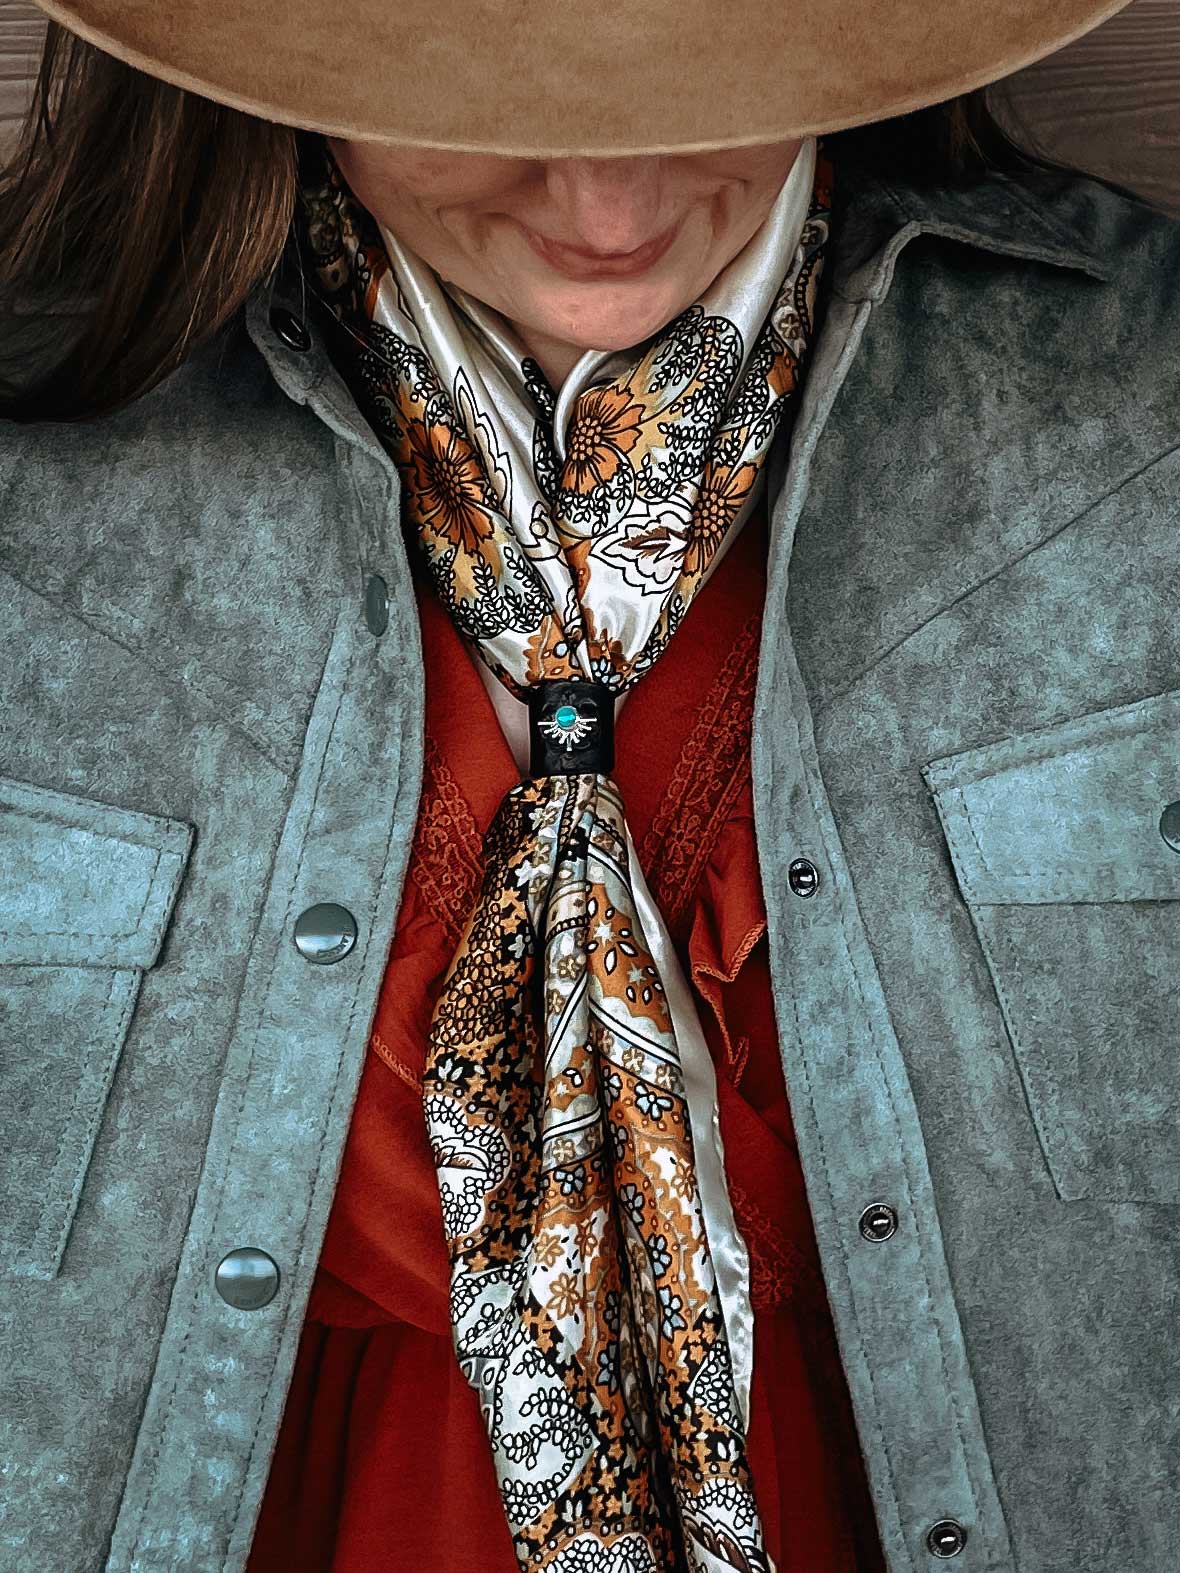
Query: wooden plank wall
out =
(1109, 103)
(20, 40)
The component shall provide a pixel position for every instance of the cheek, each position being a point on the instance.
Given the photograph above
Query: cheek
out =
(396, 192)
(376, 177)
(433, 201)
(426, 179)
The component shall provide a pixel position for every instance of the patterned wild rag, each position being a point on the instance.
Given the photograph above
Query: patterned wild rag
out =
(599, 1289)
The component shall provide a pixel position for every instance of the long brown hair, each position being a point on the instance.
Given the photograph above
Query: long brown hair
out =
(137, 218)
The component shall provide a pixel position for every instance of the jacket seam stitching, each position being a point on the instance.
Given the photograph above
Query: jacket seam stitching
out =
(152, 935)
(140, 653)
(1062, 737)
(133, 986)
(52, 1193)
(1027, 1061)
(1084, 256)
(960, 851)
(365, 534)
(1093, 503)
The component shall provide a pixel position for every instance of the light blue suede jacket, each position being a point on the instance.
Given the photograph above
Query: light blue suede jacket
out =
(968, 720)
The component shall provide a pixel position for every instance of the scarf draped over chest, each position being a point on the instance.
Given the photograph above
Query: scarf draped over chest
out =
(599, 1287)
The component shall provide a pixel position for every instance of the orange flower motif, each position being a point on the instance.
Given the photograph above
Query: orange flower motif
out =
(565, 1295)
(606, 425)
(720, 498)
(547, 1249)
(446, 489)
(586, 1236)
(518, 1102)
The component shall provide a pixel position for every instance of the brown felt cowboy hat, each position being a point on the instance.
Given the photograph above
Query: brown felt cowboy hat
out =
(590, 77)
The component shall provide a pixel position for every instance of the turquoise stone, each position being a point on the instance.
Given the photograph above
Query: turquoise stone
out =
(566, 716)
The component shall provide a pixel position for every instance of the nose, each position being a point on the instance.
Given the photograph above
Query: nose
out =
(605, 204)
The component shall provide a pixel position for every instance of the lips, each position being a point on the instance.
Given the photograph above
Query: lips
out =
(578, 263)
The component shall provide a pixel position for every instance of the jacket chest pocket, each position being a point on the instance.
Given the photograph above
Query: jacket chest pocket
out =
(1066, 847)
(86, 896)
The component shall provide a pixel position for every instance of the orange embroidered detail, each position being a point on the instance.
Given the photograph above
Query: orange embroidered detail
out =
(447, 856)
(706, 980)
(713, 766)
(778, 1269)
(397, 1065)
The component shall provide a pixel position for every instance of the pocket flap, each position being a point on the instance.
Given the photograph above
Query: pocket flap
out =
(84, 884)
(1069, 813)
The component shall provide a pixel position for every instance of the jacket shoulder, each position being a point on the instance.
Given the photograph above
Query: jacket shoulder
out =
(209, 526)
(213, 454)
(1115, 321)
(1052, 273)
(218, 395)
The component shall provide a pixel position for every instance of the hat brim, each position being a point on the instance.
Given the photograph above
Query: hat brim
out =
(553, 78)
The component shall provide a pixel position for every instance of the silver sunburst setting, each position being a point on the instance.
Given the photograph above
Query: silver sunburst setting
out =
(567, 726)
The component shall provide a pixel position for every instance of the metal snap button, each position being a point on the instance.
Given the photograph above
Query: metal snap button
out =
(376, 604)
(946, 1538)
(290, 329)
(803, 877)
(878, 1222)
(325, 932)
(1170, 826)
(247, 1279)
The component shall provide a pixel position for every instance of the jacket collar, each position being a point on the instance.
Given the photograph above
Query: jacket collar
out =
(1058, 218)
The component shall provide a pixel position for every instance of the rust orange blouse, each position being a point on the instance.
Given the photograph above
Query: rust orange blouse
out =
(382, 1464)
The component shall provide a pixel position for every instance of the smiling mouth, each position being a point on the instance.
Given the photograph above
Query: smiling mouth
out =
(576, 262)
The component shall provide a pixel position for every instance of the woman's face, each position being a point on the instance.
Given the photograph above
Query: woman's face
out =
(578, 253)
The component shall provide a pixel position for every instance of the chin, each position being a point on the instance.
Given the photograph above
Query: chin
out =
(614, 319)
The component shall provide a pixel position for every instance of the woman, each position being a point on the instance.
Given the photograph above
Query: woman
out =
(647, 642)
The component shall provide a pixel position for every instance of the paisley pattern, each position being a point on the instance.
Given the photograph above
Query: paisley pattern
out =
(600, 1290)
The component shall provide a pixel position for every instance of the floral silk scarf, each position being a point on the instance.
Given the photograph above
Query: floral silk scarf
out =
(599, 1287)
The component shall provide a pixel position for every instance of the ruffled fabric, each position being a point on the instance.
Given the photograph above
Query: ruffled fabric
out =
(382, 1463)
